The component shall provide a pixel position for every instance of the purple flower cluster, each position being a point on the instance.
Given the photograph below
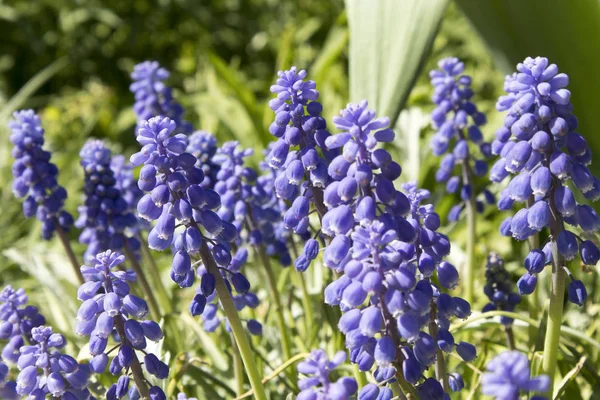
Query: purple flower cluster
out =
(300, 153)
(499, 288)
(508, 377)
(35, 176)
(248, 201)
(108, 309)
(17, 318)
(457, 123)
(385, 246)
(203, 146)
(105, 216)
(175, 198)
(153, 98)
(539, 145)
(317, 385)
(45, 370)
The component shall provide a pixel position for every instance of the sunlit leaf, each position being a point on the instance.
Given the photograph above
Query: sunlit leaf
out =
(389, 41)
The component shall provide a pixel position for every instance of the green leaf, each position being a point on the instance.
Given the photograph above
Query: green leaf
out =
(568, 378)
(565, 33)
(389, 41)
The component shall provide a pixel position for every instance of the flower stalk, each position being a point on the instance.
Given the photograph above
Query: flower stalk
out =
(236, 325)
(62, 235)
(148, 292)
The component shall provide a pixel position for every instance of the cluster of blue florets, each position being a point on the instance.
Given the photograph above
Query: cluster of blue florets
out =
(109, 310)
(539, 145)
(153, 98)
(35, 176)
(106, 218)
(457, 122)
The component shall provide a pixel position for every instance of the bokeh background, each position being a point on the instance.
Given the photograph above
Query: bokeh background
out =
(71, 59)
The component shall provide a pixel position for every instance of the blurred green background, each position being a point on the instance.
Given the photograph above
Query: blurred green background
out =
(70, 60)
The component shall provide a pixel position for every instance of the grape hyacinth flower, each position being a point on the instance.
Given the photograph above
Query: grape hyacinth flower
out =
(317, 384)
(540, 146)
(203, 146)
(508, 377)
(457, 123)
(499, 288)
(45, 370)
(105, 216)
(108, 310)
(385, 246)
(17, 318)
(181, 207)
(247, 202)
(300, 151)
(174, 197)
(153, 98)
(35, 176)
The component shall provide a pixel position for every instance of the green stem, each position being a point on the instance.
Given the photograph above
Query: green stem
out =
(440, 361)
(62, 235)
(306, 303)
(238, 368)
(557, 294)
(136, 368)
(141, 277)
(361, 377)
(555, 313)
(161, 292)
(286, 345)
(234, 321)
(510, 337)
(468, 274)
(468, 277)
(533, 300)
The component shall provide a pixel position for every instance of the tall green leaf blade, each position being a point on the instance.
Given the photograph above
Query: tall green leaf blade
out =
(565, 32)
(389, 41)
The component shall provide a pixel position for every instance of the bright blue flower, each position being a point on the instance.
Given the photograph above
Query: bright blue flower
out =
(108, 310)
(153, 98)
(386, 247)
(45, 370)
(17, 318)
(316, 385)
(508, 377)
(106, 217)
(457, 123)
(174, 199)
(300, 155)
(35, 176)
(538, 143)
